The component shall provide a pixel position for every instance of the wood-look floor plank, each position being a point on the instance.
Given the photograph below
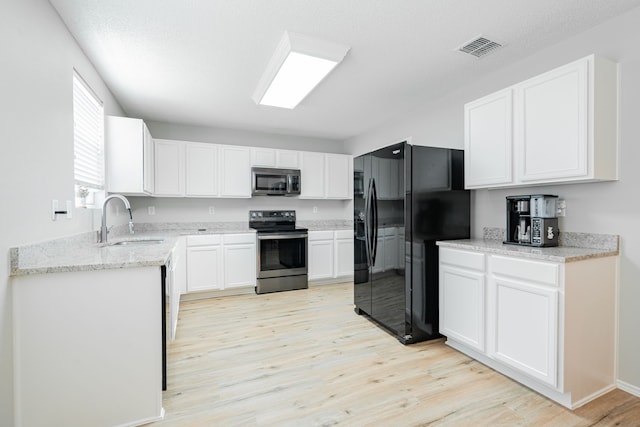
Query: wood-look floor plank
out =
(304, 358)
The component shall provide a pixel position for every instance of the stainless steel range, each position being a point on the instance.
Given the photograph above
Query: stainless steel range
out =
(282, 251)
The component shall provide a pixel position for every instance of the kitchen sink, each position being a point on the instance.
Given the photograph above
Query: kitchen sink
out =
(137, 242)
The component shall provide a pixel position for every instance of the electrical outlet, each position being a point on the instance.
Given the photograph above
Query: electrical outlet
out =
(315, 209)
(151, 210)
(561, 208)
(212, 210)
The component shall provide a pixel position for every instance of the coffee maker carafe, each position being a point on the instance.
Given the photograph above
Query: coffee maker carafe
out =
(532, 220)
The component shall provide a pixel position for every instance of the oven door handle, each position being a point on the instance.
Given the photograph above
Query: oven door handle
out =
(281, 236)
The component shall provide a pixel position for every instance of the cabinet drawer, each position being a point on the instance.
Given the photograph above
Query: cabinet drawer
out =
(344, 234)
(320, 235)
(466, 259)
(209, 239)
(239, 238)
(534, 271)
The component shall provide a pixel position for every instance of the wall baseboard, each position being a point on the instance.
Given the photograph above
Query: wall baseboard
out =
(629, 388)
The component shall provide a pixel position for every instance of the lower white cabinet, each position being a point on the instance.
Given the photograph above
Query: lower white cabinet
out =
(549, 325)
(239, 260)
(221, 261)
(330, 255)
(462, 297)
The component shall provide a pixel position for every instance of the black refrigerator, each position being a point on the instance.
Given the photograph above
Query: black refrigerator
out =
(406, 197)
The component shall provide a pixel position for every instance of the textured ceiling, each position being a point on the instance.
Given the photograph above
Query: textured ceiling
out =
(198, 62)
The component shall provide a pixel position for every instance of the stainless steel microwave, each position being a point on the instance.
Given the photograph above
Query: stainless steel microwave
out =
(275, 182)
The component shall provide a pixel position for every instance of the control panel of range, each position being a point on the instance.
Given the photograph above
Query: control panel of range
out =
(272, 216)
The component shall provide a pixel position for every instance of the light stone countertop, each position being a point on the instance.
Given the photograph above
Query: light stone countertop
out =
(82, 253)
(577, 246)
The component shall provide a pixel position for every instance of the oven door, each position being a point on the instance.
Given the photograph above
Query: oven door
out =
(282, 254)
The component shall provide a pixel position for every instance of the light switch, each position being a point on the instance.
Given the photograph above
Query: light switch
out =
(151, 210)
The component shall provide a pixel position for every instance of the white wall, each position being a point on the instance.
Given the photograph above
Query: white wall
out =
(608, 208)
(243, 137)
(37, 59)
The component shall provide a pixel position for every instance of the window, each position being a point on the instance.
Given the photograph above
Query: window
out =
(88, 144)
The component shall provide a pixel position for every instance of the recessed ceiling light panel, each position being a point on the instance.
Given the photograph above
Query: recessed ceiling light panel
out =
(297, 66)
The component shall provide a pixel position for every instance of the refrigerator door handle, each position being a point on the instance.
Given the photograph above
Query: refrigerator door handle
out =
(367, 221)
(374, 222)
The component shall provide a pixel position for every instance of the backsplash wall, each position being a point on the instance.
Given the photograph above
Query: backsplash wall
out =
(197, 209)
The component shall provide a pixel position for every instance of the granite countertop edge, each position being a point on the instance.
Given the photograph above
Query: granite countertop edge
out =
(81, 252)
(606, 246)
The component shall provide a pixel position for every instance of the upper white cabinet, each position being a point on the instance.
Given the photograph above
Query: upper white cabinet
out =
(339, 176)
(169, 168)
(272, 158)
(488, 135)
(558, 127)
(326, 176)
(202, 170)
(312, 172)
(129, 156)
(235, 171)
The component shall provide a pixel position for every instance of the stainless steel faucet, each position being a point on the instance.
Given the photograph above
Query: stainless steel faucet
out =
(104, 231)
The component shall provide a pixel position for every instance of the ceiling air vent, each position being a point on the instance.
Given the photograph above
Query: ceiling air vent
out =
(479, 46)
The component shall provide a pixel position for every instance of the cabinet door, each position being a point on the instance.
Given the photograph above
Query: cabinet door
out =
(239, 265)
(525, 328)
(551, 124)
(201, 169)
(339, 177)
(344, 256)
(488, 140)
(287, 159)
(148, 161)
(320, 259)
(462, 305)
(169, 168)
(263, 157)
(312, 179)
(204, 268)
(235, 167)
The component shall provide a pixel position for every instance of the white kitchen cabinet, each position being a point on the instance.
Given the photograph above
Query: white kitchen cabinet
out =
(537, 316)
(129, 156)
(235, 168)
(202, 169)
(312, 175)
(169, 168)
(204, 263)
(488, 137)
(462, 297)
(326, 176)
(321, 255)
(221, 261)
(562, 128)
(272, 158)
(339, 176)
(525, 327)
(344, 253)
(239, 260)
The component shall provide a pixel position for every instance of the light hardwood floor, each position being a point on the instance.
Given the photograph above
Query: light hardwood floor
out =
(304, 358)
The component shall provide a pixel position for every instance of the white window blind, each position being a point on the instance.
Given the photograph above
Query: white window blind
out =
(88, 136)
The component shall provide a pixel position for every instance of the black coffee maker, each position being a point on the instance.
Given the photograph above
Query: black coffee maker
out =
(532, 220)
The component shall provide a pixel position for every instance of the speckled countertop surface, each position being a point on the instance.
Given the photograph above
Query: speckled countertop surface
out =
(573, 246)
(82, 253)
